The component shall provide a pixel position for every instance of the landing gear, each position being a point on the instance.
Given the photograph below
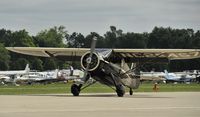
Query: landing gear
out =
(131, 91)
(119, 87)
(75, 89)
(120, 90)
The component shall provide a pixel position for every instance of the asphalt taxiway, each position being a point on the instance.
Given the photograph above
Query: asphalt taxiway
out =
(170, 104)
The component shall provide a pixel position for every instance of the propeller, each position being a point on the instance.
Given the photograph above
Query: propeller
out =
(89, 59)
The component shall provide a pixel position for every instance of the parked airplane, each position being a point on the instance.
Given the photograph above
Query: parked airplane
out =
(16, 72)
(109, 66)
(4, 79)
(69, 74)
(12, 75)
(152, 76)
(40, 77)
(172, 77)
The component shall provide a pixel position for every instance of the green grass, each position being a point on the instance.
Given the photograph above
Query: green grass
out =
(170, 87)
(97, 88)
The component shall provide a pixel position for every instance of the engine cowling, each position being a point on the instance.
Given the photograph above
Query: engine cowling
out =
(93, 62)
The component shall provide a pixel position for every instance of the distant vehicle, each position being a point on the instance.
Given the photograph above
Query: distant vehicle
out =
(172, 77)
(11, 76)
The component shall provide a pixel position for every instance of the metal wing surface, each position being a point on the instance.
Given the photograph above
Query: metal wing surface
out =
(111, 54)
(170, 54)
(49, 52)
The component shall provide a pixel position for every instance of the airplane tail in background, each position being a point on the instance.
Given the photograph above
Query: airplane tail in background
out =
(55, 75)
(166, 74)
(27, 69)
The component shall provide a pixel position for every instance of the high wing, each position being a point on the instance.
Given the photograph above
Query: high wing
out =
(111, 54)
(171, 54)
(48, 52)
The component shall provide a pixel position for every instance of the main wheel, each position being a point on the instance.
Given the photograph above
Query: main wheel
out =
(120, 90)
(131, 91)
(75, 90)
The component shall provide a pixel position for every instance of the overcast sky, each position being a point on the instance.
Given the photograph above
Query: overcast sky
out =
(87, 16)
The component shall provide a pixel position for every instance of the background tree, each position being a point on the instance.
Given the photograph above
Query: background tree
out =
(36, 63)
(133, 40)
(4, 58)
(5, 37)
(196, 40)
(112, 37)
(19, 64)
(54, 37)
(160, 38)
(50, 64)
(21, 39)
(181, 38)
(88, 40)
(75, 40)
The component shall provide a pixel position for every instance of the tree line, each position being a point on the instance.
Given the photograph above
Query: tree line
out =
(160, 37)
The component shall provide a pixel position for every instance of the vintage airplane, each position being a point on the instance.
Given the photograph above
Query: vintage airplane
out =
(110, 66)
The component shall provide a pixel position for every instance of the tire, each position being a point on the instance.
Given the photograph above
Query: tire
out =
(131, 92)
(120, 90)
(75, 90)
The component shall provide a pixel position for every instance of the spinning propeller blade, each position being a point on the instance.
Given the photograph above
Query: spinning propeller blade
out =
(89, 59)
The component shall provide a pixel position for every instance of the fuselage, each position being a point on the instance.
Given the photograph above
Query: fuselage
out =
(112, 75)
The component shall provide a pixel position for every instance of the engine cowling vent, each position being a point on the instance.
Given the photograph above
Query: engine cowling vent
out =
(93, 63)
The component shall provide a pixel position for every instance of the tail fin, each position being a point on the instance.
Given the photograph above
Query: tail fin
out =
(27, 69)
(55, 75)
(166, 74)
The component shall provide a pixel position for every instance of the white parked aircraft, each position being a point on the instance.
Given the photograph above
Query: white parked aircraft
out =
(40, 77)
(172, 77)
(67, 74)
(16, 72)
(4, 79)
(152, 76)
(11, 76)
